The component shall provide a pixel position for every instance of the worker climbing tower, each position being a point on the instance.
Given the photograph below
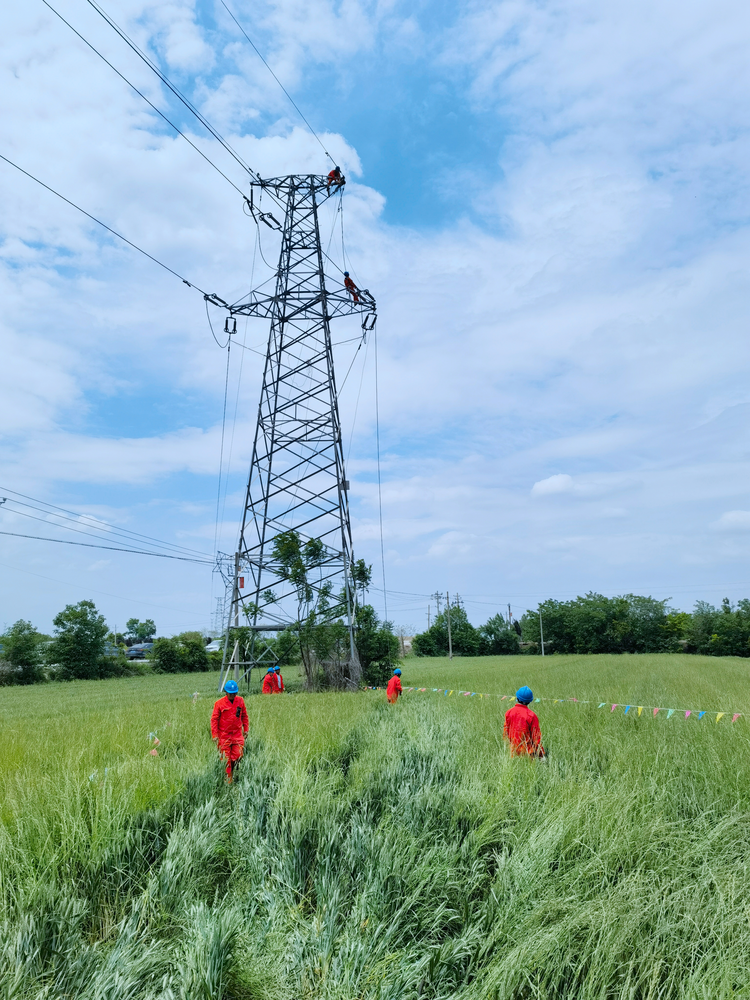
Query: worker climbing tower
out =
(295, 548)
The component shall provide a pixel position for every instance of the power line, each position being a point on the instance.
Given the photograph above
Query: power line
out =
(136, 535)
(141, 94)
(110, 548)
(99, 222)
(178, 94)
(44, 520)
(125, 536)
(291, 99)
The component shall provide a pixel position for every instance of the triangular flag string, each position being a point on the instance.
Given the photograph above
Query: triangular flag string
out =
(511, 699)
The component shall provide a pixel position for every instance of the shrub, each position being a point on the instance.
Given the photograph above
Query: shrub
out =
(180, 655)
(193, 654)
(377, 646)
(165, 657)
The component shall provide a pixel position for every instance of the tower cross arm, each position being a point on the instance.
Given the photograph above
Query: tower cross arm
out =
(287, 307)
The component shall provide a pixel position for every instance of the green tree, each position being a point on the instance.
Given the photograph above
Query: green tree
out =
(78, 647)
(466, 640)
(322, 636)
(193, 654)
(721, 631)
(140, 631)
(498, 638)
(361, 577)
(377, 646)
(677, 624)
(598, 624)
(21, 651)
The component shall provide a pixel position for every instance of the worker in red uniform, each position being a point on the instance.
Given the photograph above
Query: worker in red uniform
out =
(229, 726)
(336, 178)
(279, 678)
(351, 287)
(269, 682)
(394, 687)
(521, 728)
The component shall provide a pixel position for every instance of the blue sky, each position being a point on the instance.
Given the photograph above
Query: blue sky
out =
(550, 201)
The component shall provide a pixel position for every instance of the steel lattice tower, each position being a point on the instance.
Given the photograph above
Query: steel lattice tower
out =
(297, 480)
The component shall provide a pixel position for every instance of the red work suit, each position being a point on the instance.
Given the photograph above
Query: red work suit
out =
(351, 287)
(522, 731)
(279, 681)
(394, 689)
(269, 684)
(335, 177)
(229, 723)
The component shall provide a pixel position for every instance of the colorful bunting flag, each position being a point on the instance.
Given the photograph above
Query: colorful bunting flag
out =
(153, 738)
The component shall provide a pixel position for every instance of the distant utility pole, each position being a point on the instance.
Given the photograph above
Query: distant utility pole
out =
(428, 617)
(437, 598)
(541, 630)
(510, 616)
(448, 613)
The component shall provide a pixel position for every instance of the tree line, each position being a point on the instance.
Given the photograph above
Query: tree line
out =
(596, 624)
(84, 648)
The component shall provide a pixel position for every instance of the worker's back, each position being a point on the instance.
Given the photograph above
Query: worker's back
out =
(522, 730)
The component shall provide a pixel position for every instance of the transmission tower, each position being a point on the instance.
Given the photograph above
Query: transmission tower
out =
(297, 481)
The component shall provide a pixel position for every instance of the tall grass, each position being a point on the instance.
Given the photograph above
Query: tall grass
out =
(376, 852)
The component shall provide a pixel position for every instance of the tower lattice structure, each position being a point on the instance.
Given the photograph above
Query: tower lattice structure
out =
(297, 480)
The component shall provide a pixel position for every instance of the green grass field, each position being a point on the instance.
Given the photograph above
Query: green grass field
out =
(377, 852)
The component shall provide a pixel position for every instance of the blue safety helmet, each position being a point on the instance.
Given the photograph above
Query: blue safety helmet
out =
(524, 695)
(231, 687)
(346, 274)
(270, 670)
(397, 671)
(277, 667)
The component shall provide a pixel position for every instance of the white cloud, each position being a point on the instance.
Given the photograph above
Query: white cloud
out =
(733, 522)
(561, 483)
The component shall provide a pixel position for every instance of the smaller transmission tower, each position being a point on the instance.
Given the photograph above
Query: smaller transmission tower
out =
(295, 547)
